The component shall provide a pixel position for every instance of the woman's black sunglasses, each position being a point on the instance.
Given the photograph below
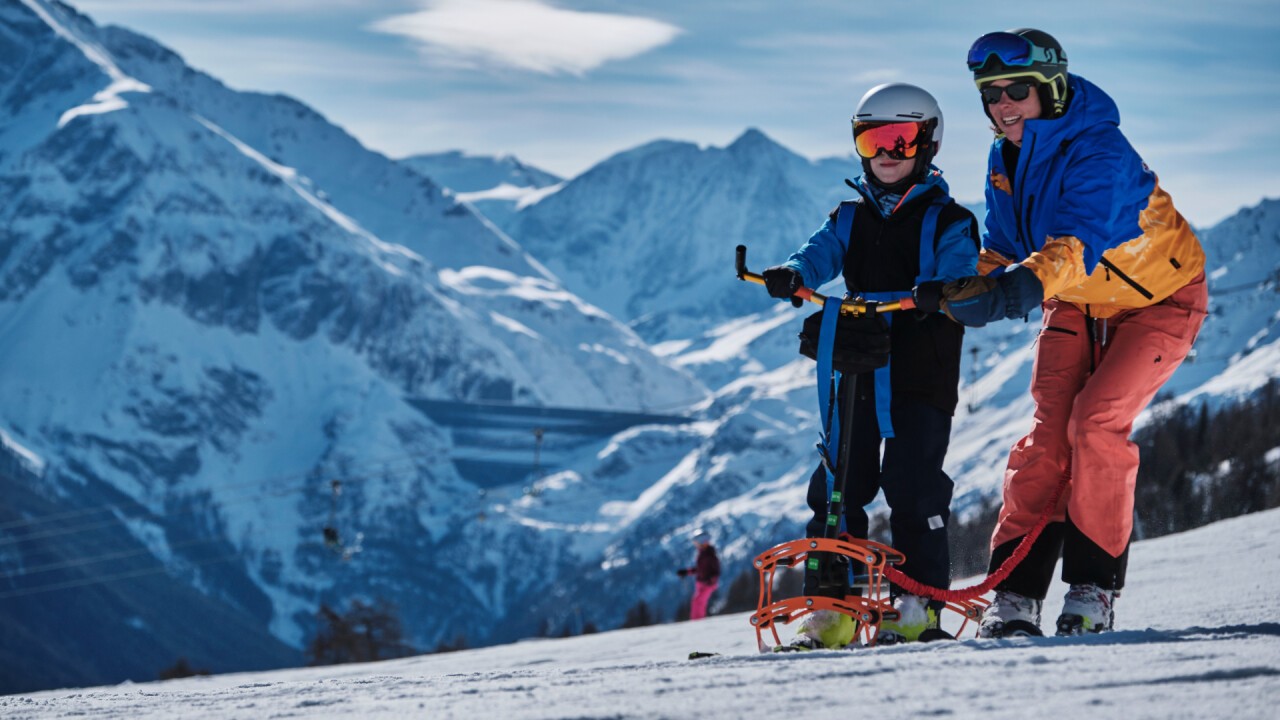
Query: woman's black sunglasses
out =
(1018, 91)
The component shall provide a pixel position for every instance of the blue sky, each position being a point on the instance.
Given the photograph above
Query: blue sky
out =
(564, 84)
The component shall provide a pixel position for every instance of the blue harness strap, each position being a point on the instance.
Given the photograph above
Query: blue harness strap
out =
(928, 234)
(928, 269)
(828, 382)
(844, 221)
(828, 378)
(884, 394)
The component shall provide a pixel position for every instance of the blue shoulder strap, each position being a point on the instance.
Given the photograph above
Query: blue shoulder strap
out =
(844, 221)
(929, 238)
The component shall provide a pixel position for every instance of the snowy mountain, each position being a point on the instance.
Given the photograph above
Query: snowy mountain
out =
(649, 233)
(465, 173)
(229, 327)
(215, 303)
(1175, 654)
(496, 186)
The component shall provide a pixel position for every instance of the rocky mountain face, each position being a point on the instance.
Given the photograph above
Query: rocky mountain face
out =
(224, 322)
(214, 304)
(497, 187)
(465, 173)
(649, 234)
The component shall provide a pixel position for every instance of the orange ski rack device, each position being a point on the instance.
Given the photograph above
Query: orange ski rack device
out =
(868, 610)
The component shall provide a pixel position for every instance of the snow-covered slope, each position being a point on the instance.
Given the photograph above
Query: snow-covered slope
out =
(496, 186)
(465, 173)
(649, 234)
(382, 196)
(1198, 638)
(214, 303)
(742, 470)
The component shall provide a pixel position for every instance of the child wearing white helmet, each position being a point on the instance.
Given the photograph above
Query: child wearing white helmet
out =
(901, 236)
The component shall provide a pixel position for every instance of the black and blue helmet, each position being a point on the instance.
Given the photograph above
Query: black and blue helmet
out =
(1023, 53)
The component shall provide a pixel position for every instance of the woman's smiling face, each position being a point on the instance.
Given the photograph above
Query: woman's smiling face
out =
(1009, 115)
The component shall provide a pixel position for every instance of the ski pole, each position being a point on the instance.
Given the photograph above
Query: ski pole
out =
(855, 308)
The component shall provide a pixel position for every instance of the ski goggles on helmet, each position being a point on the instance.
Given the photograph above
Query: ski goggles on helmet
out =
(1010, 50)
(1017, 91)
(898, 140)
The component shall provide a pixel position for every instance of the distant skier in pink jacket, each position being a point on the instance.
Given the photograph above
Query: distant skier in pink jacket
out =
(706, 574)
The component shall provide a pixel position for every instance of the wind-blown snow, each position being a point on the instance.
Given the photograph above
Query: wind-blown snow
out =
(108, 99)
(1198, 637)
(33, 462)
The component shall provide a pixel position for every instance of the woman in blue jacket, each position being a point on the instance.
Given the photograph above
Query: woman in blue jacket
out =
(1076, 221)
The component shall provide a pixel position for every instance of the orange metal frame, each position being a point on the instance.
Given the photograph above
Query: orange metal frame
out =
(868, 610)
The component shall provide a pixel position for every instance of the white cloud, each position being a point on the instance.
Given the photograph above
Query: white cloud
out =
(527, 34)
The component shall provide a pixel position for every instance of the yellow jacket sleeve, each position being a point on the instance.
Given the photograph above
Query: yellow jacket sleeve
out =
(1059, 264)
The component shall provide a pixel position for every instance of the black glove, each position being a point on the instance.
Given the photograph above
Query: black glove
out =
(682, 572)
(928, 296)
(783, 282)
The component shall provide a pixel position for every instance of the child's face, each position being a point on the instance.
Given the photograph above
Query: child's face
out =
(888, 170)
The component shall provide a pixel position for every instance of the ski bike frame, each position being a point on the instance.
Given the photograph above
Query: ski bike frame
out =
(832, 557)
(855, 307)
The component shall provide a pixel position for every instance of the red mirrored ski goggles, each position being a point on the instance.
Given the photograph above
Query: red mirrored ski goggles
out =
(898, 140)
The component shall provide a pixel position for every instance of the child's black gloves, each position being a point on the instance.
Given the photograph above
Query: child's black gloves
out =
(682, 572)
(783, 282)
(928, 296)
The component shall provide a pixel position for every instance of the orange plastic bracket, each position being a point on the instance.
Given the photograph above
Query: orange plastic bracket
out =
(868, 610)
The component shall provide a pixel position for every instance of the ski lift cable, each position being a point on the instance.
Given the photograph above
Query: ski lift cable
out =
(298, 479)
(296, 476)
(69, 584)
(43, 534)
(78, 562)
(99, 525)
(105, 507)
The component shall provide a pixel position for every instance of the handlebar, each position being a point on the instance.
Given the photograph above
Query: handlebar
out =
(856, 307)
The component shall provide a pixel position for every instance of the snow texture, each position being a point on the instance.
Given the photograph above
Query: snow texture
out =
(217, 301)
(1198, 637)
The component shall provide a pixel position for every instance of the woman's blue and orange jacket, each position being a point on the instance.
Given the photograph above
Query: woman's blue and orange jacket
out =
(1085, 214)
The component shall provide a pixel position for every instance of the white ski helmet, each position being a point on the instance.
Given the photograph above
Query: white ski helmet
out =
(902, 102)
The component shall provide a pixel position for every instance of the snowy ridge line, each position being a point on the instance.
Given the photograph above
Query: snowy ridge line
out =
(25, 456)
(294, 180)
(509, 242)
(107, 99)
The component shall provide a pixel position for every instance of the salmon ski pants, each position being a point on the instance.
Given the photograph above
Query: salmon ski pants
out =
(1091, 379)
